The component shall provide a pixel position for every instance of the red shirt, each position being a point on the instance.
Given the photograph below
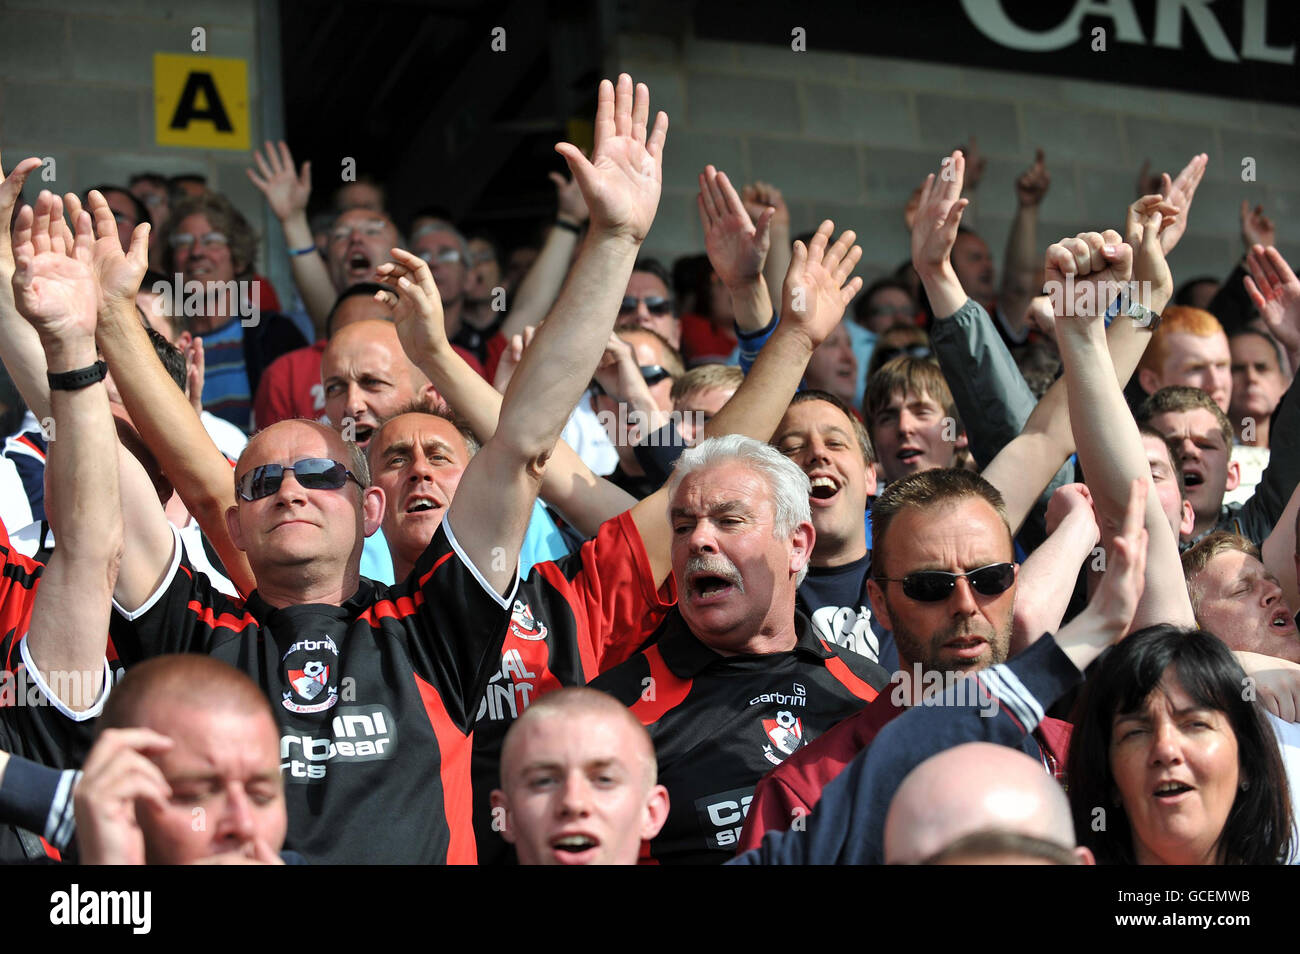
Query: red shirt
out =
(705, 343)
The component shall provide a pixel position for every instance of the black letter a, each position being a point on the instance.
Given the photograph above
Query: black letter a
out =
(187, 111)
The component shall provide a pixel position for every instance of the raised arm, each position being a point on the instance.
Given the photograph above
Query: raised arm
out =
(621, 184)
(1023, 263)
(287, 195)
(934, 232)
(54, 287)
(167, 424)
(545, 277)
(20, 346)
(1025, 465)
(758, 197)
(817, 290)
(1110, 449)
(569, 485)
(738, 247)
(1044, 584)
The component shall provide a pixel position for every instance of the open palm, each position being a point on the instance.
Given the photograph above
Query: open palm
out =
(117, 273)
(737, 247)
(817, 286)
(54, 286)
(622, 180)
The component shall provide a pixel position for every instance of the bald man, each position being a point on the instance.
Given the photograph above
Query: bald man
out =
(367, 378)
(186, 769)
(579, 782)
(981, 803)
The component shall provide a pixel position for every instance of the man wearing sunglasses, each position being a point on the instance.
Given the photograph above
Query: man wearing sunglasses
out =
(648, 302)
(943, 582)
(376, 688)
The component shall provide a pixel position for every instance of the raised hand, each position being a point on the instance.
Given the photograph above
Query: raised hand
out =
(117, 775)
(759, 196)
(736, 245)
(286, 193)
(417, 306)
(1179, 192)
(1085, 273)
(1033, 182)
(817, 285)
(622, 180)
(1275, 292)
(570, 206)
(1070, 500)
(511, 356)
(1256, 227)
(54, 285)
(194, 372)
(938, 214)
(11, 187)
(117, 273)
(1145, 224)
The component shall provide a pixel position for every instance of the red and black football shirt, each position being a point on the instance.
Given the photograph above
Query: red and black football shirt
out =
(571, 620)
(720, 723)
(375, 699)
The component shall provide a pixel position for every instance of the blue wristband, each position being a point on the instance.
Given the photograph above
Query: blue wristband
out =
(302, 251)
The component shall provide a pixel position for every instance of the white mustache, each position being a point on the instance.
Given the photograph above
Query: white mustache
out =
(718, 566)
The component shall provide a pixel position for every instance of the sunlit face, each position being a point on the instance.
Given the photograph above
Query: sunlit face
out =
(1175, 766)
(909, 434)
(1241, 603)
(203, 258)
(968, 630)
(1176, 510)
(417, 460)
(227, 792)
(734, 575)
(367, 377)
(442, 250)
(821, 440)
(359, 242)
(644, 286)
(1257, 382)
(296, 527)
(833, 366)
(697, 409)
(973, 263)
(1198, 361)
(576, 790)
(1205, 455)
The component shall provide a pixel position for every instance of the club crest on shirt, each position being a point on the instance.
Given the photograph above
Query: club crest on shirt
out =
(308, 666)
(785, 733)
(523, 625)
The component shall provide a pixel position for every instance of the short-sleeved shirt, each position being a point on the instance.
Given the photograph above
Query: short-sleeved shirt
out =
(570, 621)
(375, 699)
(720, 723)
(34, 723)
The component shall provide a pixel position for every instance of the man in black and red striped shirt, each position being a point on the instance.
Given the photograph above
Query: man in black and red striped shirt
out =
(376, 688)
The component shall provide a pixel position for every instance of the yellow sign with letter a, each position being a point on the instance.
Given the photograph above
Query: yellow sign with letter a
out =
(200, 102)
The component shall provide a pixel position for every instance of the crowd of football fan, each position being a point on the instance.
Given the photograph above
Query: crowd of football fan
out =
(565, 558)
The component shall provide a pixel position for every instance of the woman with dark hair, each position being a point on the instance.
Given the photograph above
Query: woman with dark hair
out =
(1169, 764)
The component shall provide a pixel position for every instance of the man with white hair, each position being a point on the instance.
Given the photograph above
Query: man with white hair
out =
(737, 680)
(981, 803)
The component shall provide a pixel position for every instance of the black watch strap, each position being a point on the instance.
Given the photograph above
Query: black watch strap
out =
(78, 379)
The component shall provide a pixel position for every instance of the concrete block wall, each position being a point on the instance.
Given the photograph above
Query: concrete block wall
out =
(76, 85)
(849, 137)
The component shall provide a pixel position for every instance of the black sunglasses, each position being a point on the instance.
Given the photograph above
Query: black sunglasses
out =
(313, 473)
(653, 304)
(652, 374)
(932, 586)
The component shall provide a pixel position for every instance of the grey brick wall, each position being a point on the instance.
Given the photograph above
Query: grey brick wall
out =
(76, 84)
(849, 137)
